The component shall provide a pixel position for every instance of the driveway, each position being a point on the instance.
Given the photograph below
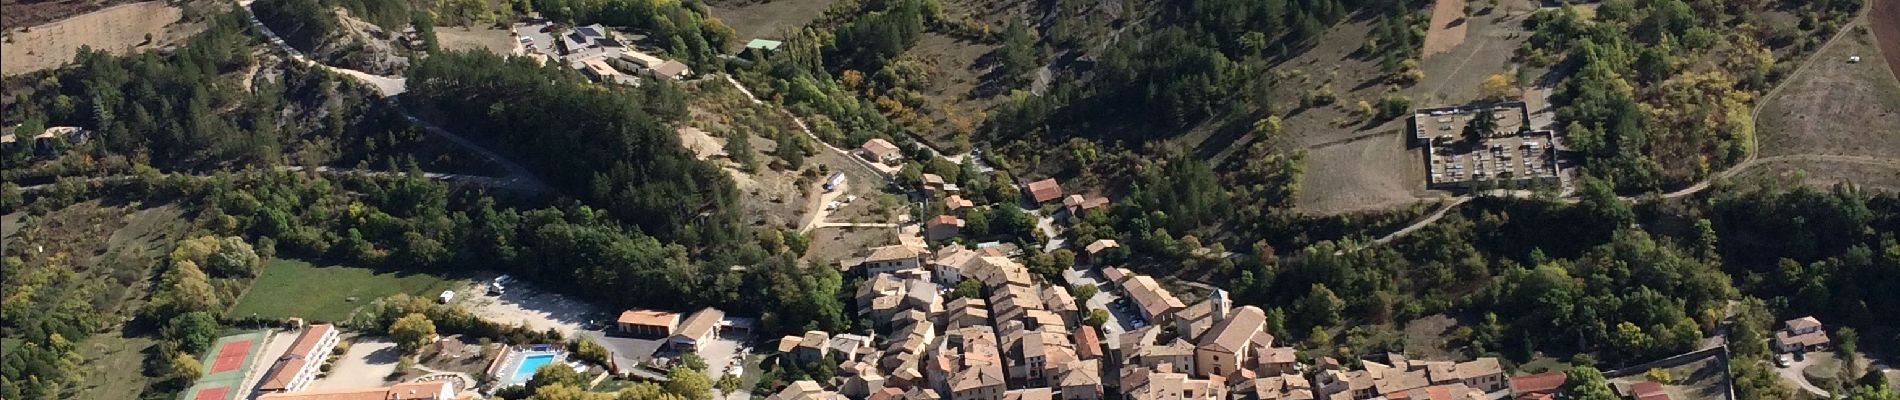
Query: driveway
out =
(1792, 373)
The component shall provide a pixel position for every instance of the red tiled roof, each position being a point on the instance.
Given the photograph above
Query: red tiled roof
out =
(648, 318)
(1044, 190)
(286, 368)
(945, 219)
(1547, 382)
(1649, 391)
(1088, 345)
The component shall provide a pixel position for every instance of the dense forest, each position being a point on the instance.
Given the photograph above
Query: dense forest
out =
(613, 147)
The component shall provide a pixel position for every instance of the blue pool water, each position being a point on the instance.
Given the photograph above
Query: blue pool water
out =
(531, 364)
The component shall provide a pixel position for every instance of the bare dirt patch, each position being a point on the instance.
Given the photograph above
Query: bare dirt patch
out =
(368, 363)
(118, 29)
(497, 41)
(1484, 48)
(829, 245)
(1371, 174)
(766, 19)
(1447, 29)
(1886, 25)
(1835, 107)
(1429, 338)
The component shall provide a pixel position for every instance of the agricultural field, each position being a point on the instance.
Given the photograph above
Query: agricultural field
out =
(1835, 119)
(765, 19)
(118, 29)
(293, 288)
(1885, 21)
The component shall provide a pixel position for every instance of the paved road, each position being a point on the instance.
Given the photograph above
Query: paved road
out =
(519, 177)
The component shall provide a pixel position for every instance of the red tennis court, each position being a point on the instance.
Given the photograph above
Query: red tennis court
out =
(216, 393)
(230, 356)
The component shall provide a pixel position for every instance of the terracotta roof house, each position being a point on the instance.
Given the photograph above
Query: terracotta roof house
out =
(1154, 301)
(1088, 344)
(893, 258)
(1801, 334)
(957, 202)
(1077, 204)
(942, 227)
(647, 323)
(298, 366)
(1101, 245)
(1527, 387)
(879, 150)
(427, 390)
(1648, 391)
(805, 390)
(1483, 374)
(1043, 191)
(697, 329)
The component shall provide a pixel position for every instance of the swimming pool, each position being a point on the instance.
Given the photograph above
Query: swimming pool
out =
(530, 364)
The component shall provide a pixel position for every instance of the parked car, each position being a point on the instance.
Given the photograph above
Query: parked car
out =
(1784, 360)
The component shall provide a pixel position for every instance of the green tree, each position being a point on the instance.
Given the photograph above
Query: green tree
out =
(728, 383)
(1096, 318)
(1085, 292)
(1586, 383)
(193, 331)
(555, 374)
(1321, 306)
(689, 383)
(694, 361)
(968, 289)
(412, 332)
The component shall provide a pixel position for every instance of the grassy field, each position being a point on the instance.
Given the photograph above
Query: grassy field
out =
(1835, 107)
(291, 288)
(113, 366)
(1846, 113)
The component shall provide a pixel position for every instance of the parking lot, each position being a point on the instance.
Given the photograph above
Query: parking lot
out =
(521, 302)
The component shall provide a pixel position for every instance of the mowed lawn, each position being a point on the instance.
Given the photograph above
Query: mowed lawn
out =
(292, 288)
